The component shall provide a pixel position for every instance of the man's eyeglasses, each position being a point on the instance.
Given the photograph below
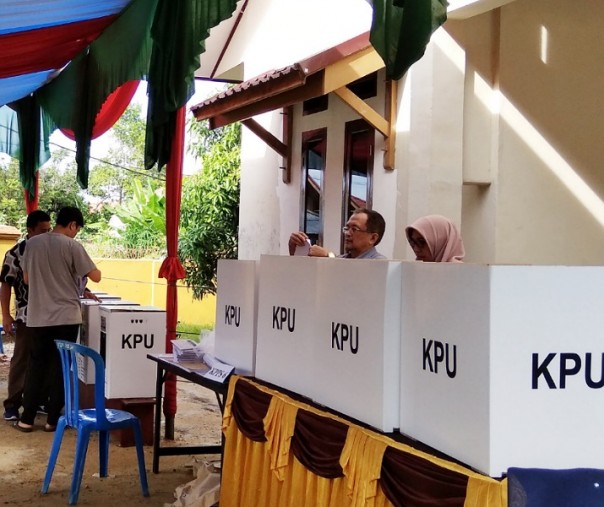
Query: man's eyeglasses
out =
(353, 229)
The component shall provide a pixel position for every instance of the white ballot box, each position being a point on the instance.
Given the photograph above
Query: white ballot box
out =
(504, 365)
(286, 321)
(128, 334)
(90, 333)
(236, 306)
(356, 345)
(108, 297)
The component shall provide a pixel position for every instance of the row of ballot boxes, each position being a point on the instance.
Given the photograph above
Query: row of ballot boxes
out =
(123, 332)
(496, 366)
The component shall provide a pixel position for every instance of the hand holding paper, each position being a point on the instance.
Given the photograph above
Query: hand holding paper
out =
(303, 249)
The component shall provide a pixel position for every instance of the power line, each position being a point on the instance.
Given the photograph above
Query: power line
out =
(147, 174)
(141, 282)
(117, 166)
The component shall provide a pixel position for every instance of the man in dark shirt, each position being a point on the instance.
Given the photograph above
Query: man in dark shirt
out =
(11, 278)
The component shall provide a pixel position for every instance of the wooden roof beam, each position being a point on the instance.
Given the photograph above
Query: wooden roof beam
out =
(283, 148)
(386, 126)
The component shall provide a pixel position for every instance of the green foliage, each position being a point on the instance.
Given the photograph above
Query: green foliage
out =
(209, 210)
(210, 206)
(144, 216)
(108, 181)
(57, 188)
(129, 131)
(12, 203)
(190, 331)
(114, 185)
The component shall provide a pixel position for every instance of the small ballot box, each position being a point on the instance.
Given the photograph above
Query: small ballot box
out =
(236, 301)
(108, 297)
(128, 334)
(90, 332)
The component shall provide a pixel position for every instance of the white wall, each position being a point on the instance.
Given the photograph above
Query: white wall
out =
(535, 66)
(277, 33)
(259, 208)
(433, 154)
(552, 127)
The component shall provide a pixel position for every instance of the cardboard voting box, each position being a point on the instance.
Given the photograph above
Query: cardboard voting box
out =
(286, 321)
(108, 297)
(128, 334)
(503, 365)
(90, 333)
(445, 358)
(236, 307)
(356, 343)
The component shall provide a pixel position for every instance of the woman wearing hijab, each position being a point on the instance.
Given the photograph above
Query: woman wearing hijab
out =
(435, 238)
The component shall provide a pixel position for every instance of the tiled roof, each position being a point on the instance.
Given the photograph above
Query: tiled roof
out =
(278, 82)
(294, 71)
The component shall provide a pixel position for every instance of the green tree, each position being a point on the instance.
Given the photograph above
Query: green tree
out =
(112, 186)
(58, 185)
(119, 185)
(12, 201)
(210, 205)
(57, 188)
(144, 216)
(111, 181)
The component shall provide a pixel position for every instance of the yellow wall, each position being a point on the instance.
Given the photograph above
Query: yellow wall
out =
(8, 237)
(5, 245)
(137, 281)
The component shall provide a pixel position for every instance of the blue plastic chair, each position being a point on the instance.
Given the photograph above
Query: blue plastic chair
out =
(85, 421)
(540, 487)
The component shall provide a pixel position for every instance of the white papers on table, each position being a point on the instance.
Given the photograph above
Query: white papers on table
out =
(218, 371)
(184, 350)
(196, 359)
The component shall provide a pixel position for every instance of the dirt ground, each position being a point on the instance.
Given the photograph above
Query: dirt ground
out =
(24, 456)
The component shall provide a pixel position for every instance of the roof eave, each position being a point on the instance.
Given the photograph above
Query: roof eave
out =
(315, 76)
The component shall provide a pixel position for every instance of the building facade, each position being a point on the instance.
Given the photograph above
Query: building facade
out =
(498, 127)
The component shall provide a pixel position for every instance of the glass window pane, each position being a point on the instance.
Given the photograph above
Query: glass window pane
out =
(358, 183)
(359, 138)
(313, 147)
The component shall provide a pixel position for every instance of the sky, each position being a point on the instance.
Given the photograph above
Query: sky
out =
(101, 145)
